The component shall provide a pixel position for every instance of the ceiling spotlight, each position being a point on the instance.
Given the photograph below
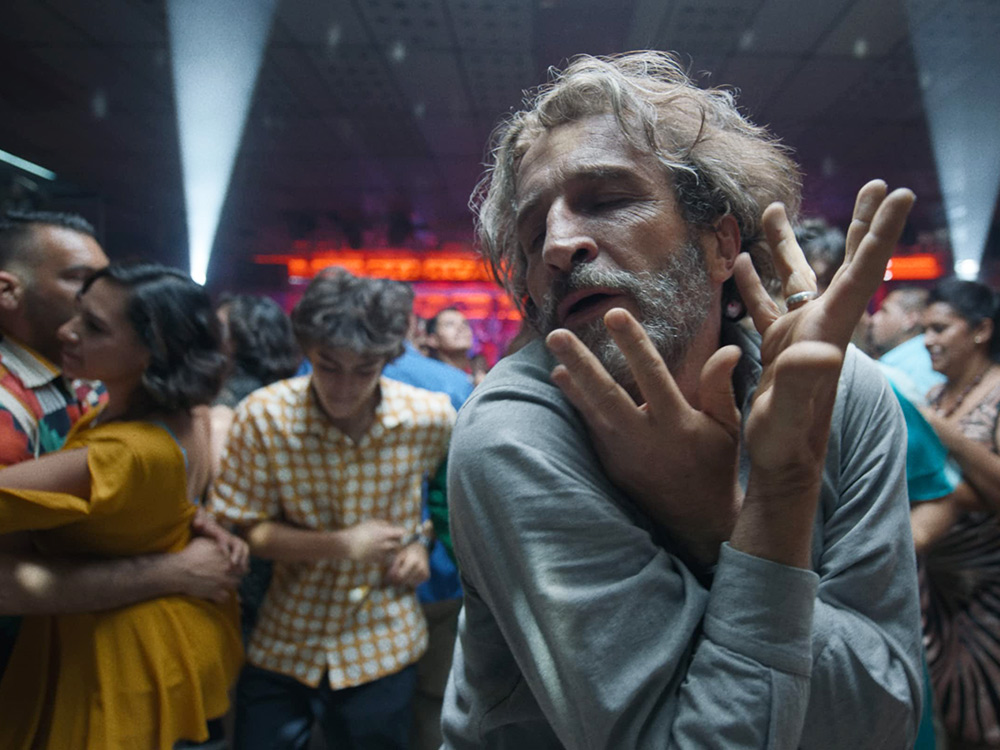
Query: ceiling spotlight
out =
(967, 268)
(99, 105)
(333, 36)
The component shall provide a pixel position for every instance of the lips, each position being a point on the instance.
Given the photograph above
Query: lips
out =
(68, 360)
(586, 305)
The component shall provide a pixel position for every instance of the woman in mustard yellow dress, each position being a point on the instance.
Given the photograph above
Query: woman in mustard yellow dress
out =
(150, 674)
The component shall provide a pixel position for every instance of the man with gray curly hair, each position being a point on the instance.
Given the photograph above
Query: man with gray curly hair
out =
(324, 473)
(672, 533)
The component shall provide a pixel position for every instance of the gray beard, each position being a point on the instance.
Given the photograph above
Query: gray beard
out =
(673, 305)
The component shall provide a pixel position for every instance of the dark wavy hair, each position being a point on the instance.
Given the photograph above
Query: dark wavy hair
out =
(343, 311)
(972, 301)
(16, 228)
(173, 317)
(263, 342)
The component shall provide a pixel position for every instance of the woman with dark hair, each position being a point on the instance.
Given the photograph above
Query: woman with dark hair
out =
(147, 675)
(258, 337)
(960, 573)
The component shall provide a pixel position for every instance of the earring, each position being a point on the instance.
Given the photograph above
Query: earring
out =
(978, 340)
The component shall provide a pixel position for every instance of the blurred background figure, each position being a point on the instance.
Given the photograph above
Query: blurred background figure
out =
(449, 338)
(896, 337)
(823, 246)
(960, 574)
(258, 340)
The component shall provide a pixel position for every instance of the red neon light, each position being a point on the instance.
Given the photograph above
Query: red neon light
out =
(402, 265)
(919, 267)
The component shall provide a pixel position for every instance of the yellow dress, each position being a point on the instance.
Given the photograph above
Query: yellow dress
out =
(141, 676)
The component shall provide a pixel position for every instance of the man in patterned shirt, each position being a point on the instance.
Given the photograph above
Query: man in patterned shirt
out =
(44, 259)
(324, 472)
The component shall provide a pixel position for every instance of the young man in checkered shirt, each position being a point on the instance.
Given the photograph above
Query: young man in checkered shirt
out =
(324, 473)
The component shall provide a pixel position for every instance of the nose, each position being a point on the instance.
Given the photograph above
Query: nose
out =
(67, 333)
(567, 241)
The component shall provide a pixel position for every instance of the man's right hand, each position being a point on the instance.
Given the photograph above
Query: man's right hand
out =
(374, 541)
(204, 570)
(664, 451)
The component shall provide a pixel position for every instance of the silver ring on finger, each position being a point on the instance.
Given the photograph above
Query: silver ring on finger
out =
(794, 301)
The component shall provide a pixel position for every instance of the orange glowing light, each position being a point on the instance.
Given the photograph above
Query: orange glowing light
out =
(451, 264)
(919, 267)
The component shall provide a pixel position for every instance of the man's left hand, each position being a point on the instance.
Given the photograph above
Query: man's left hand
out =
(409, 567)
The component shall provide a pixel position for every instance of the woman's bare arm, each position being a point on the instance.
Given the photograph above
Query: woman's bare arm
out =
(63, 471)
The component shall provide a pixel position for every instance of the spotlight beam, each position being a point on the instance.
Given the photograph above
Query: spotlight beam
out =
(957, 61)
(216, 48)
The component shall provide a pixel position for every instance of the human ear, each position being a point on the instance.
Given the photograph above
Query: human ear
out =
(11, 291)
(721, 245)
(983, 331)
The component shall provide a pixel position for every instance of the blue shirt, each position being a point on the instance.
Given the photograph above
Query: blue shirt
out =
(912, 358)
(413, 368)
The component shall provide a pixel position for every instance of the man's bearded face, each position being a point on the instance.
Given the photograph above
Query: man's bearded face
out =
(672, 303)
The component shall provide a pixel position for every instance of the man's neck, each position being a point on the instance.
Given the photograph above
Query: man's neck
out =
(357, 425)
(705, 344)
(456, 359)
(19, 343)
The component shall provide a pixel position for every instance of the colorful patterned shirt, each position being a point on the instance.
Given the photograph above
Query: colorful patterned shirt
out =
(37, 405)
(37, 409)
(285, 461)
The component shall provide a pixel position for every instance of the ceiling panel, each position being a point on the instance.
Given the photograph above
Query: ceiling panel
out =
(357, 79)
(712, 27)
(816, 84)
(406, 24)
(31, 22)
(780, 26)
(431, 82)
(321, 24)
(114, 21)
(868, 29)
(493, 24)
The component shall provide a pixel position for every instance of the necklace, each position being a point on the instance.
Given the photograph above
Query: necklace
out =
(936, 402)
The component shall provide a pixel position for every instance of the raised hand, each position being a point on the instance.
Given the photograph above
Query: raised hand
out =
(801, 352)
(877, 223)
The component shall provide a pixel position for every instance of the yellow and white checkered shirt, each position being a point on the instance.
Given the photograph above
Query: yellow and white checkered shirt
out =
(285, 461)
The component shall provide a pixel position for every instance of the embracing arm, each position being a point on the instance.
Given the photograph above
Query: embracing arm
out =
(63, 471)
(369, 541)
(34, 584)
